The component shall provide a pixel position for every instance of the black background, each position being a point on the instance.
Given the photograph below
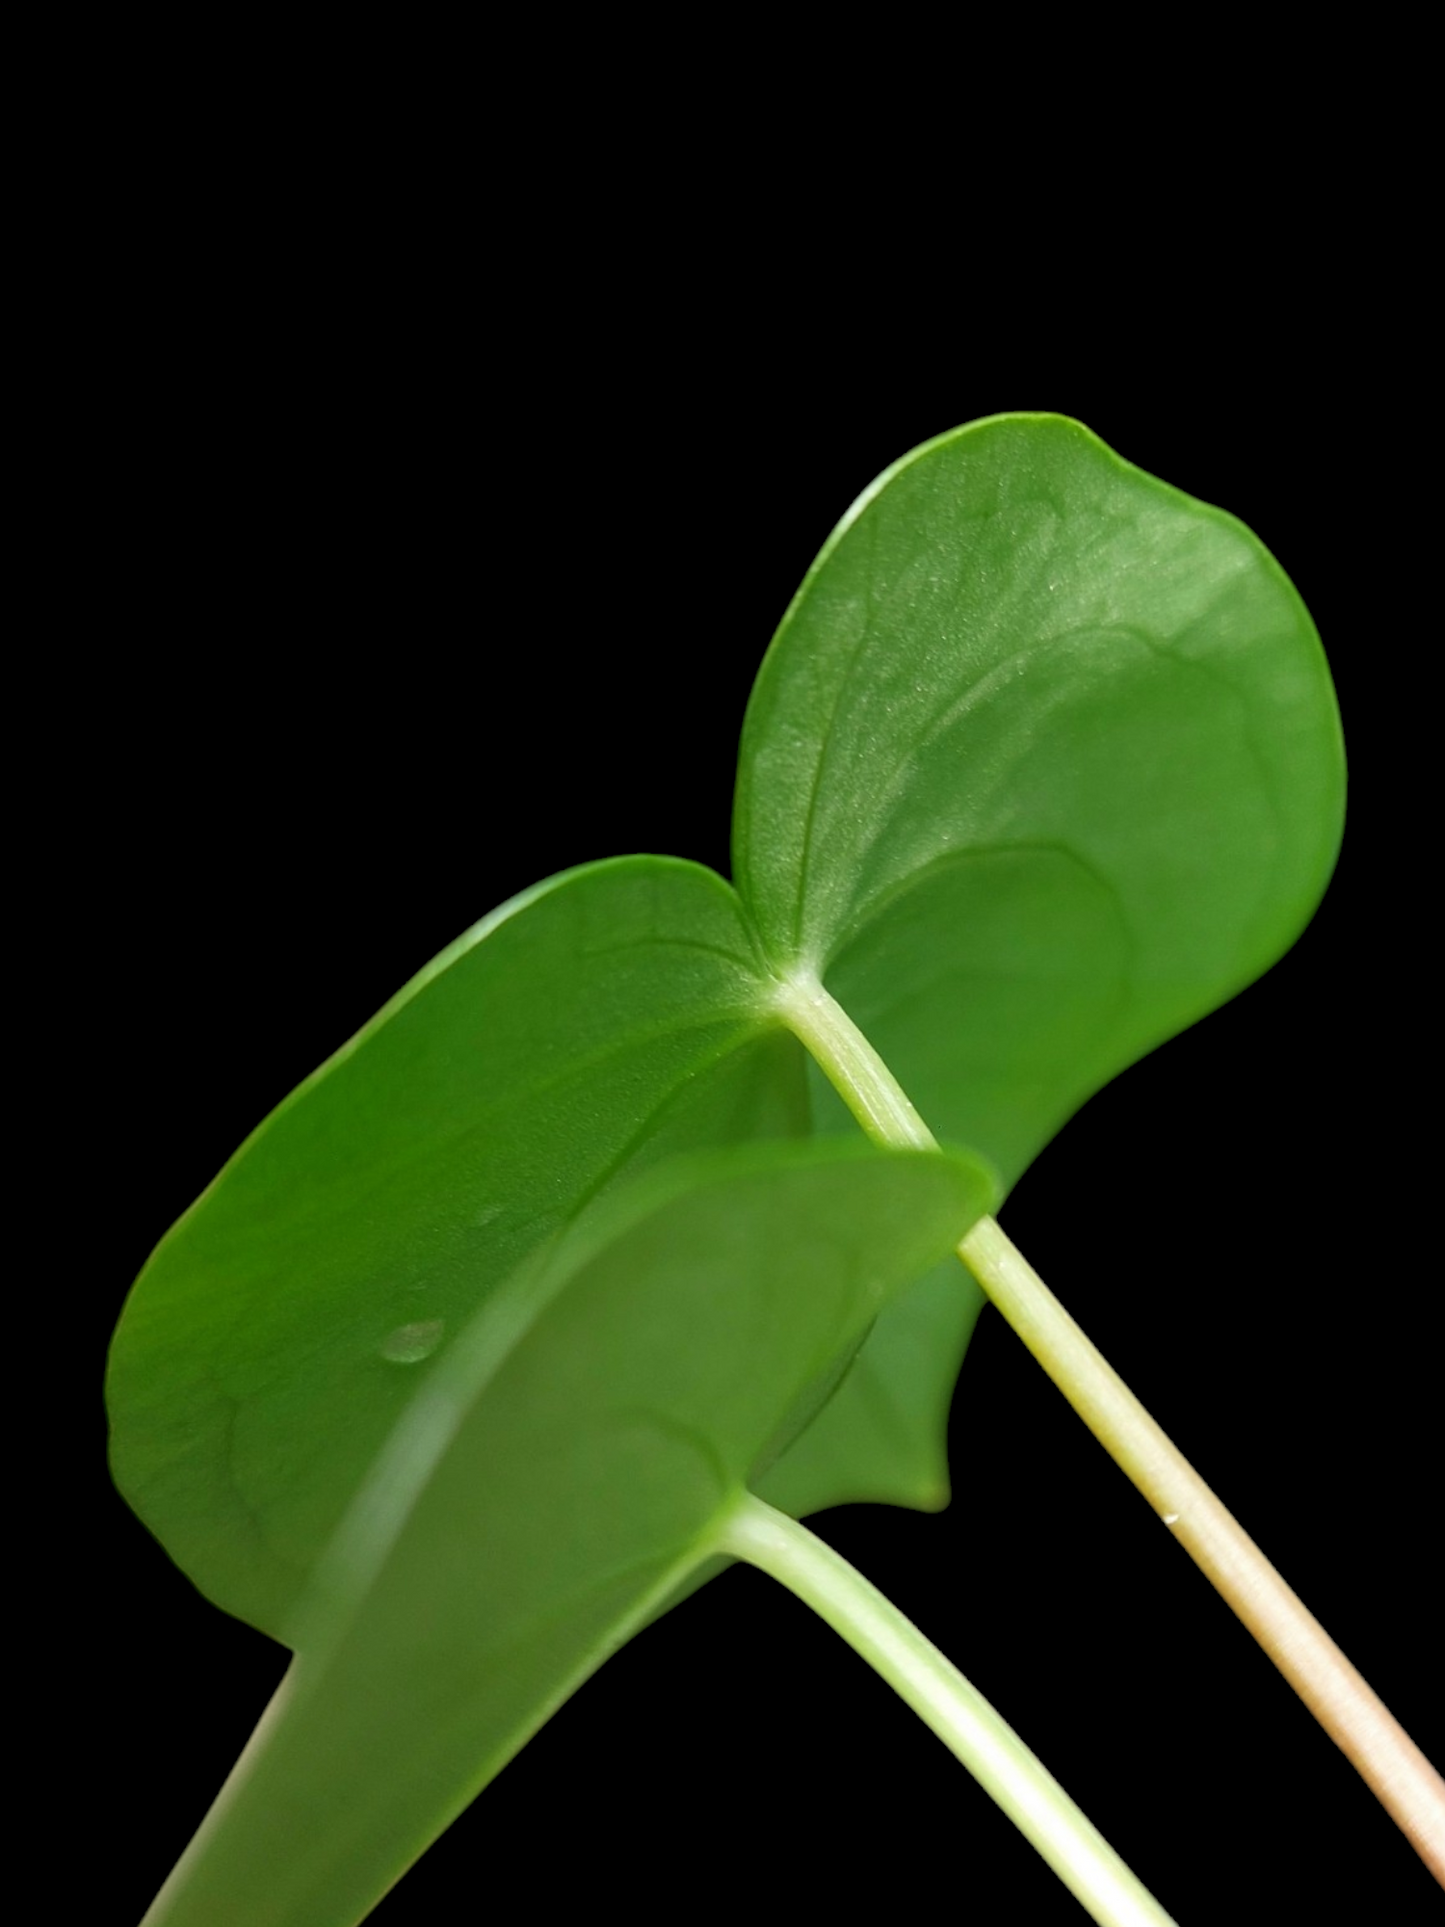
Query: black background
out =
(418, 574)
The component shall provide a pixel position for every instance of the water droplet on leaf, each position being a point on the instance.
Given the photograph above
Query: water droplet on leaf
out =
(409, 1344)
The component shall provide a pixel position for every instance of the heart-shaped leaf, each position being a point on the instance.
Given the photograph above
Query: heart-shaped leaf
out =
(564, 1467)
(1043, 764)
(598, 1022)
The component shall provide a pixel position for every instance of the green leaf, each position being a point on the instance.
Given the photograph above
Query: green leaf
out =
(883, 1436)
(564, 1466)
(596, 1023)
(1043, 764)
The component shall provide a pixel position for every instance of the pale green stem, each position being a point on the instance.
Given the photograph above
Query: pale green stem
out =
(1391, 1764)
(943, 1699)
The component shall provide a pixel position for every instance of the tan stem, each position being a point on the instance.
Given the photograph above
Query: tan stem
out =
(1353, 1715)
(1345, 1705)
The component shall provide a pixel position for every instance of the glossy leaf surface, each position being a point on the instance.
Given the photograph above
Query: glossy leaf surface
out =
(604, 1019)
(1043, 764)
(559, 1472)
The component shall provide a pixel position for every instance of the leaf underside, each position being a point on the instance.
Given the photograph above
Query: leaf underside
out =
(560, 1471)
(1043, 764)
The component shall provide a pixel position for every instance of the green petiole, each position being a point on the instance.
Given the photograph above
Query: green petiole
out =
(945, 1701)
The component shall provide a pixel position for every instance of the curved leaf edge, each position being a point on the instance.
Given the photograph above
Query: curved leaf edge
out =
(379, 1510)
(787, 966)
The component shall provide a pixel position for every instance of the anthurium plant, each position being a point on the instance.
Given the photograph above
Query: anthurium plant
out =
(655, 1215)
